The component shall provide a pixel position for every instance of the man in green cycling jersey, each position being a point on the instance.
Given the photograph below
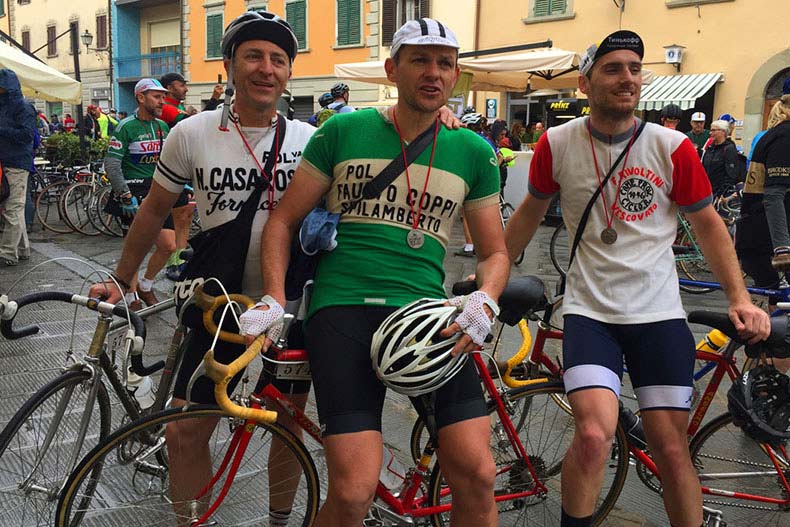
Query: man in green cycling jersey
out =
(390, 252)
(131, 159)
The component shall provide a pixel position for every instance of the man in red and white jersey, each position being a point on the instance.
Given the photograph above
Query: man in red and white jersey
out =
(622, 299)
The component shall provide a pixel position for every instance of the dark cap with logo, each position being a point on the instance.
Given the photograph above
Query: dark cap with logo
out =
(618, 40)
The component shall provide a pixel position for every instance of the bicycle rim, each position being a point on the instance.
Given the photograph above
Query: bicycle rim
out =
(721, 447)
(136, 487)
(693, 265)
(546, 435)
(48, 211)
(110, 223)
(28, 490)
(77, 203)
(560, 249)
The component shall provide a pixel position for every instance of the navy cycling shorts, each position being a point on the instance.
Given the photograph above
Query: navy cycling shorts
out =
(659, 355)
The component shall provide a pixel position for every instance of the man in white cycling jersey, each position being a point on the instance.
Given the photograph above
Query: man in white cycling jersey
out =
(622, 298)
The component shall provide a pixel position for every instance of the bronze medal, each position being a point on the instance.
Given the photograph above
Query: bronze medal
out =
(609, 236)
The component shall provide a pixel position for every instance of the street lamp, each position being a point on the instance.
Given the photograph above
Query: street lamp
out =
(87, 39)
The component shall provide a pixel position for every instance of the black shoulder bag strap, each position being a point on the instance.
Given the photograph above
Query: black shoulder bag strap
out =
(586, 214)
(376, 186)
(267, 178)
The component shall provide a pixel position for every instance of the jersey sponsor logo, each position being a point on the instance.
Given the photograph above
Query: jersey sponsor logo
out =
(144, 145)
(636, 199)
(115, 144)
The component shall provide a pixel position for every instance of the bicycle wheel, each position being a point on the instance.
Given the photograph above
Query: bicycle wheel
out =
(693, 265)
(47, 209)
(546, 437)
(135, 486)
(506, 210)
(560, 249)
(727, 459)
(32, 474)
(76, 205)
(110, 223)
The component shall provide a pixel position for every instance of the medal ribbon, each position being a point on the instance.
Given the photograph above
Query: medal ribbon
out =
(270, 182)
(609, 218)
(416, 217)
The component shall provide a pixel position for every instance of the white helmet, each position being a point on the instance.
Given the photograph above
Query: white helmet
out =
(407, 352)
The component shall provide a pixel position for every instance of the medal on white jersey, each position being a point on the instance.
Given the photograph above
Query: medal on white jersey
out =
(415, 239)
(609, 235)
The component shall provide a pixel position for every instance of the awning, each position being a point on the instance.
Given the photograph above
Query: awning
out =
(683, 90)
(39, 80)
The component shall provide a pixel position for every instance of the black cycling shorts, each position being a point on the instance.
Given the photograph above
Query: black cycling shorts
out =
(140, 191)
(197, 344)
(349, 396)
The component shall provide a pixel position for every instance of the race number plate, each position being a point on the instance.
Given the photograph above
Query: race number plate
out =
(294, 371)
(115, 343)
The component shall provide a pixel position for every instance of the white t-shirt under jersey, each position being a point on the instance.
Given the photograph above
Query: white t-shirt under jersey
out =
(218, 167)
(634, 280)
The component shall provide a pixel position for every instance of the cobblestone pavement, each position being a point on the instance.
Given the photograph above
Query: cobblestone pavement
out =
(26, 364)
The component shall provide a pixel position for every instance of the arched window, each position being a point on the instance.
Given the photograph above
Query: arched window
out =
(773, 91)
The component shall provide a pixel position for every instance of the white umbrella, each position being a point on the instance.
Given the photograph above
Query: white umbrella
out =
(39, 80)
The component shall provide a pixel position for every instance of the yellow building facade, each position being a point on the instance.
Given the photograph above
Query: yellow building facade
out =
(740, 39)
(329, 32)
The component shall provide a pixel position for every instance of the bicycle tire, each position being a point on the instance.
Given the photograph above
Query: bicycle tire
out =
(48, 210)
(693, 265)
(560, 249)
(94, 214)
(538, 440)
(506, 210)
(110, 222)
(141, 448)
(20, 445)
(77, 202)
(720, 446)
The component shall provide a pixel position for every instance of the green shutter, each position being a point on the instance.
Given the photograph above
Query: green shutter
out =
(348, 22)
(2, 7)
(213, 36)
(550, 7)
(296, 15)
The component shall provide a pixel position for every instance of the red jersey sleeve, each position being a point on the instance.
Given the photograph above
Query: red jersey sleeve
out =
(690, 183)
(541, 170)
(169, 114)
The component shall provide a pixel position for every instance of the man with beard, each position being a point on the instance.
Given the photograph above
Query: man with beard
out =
(622, 298)
(132, 155)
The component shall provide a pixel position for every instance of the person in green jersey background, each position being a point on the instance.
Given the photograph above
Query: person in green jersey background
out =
(131, 159)
(390, 252)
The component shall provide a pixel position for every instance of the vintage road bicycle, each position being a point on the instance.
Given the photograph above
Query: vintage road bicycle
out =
(64, 419)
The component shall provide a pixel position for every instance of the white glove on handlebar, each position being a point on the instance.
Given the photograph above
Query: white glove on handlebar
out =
(473, 319)
(256, 322)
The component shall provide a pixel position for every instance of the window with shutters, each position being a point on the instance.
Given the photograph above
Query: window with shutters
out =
(26, 40)
(52, 43)
(2, 7)
(296, 15)
(101, 31)
(214, 27)
(547, 10)
(349, 22)
(394, 13)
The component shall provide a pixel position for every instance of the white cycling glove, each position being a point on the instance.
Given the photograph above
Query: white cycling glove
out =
(473, 319)
(255, 322)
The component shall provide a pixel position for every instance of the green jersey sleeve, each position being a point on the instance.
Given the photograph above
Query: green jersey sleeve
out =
(320, 150)
(119, 143)
(485, 182)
